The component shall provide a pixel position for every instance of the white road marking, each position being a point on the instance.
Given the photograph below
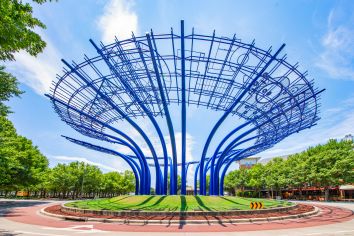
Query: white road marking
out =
(81, 226)
(333, 233)
(78, 229)
(35, 233)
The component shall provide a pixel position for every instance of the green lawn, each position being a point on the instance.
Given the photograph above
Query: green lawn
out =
(173, 203)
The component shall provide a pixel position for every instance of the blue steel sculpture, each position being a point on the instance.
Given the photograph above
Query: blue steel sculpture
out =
(142, 76)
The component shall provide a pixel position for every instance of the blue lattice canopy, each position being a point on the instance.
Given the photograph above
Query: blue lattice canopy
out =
(142, 76)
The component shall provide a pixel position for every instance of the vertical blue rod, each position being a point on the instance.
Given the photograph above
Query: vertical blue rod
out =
(183, 101)
(196, 179)
(173, 175)
(172, 181)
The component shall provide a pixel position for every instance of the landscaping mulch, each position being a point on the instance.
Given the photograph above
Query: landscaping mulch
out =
(301, 208)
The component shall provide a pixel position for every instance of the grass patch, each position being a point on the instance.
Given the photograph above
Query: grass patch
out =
(174, 203)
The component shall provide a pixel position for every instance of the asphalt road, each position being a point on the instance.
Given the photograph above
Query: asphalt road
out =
(9, 226)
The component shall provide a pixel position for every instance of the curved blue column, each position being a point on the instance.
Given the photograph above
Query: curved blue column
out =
(133, 165)
(231, 145)
(138, 154)
(238, 155)
(202, 190)
(124, 58)
(173, 175)
(214, 181)
(130, 121)
(147, 179)
(213, 158)
(158, 187)
(140, 77)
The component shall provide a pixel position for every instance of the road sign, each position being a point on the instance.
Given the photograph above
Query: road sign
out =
(256, 205)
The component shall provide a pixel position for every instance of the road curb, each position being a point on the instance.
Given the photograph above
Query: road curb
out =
(135, 213)
(180, 222)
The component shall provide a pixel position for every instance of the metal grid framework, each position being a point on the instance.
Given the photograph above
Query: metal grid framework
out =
(142, 76)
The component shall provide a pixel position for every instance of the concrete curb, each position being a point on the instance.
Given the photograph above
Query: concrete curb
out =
(180, 222)
(175, 213)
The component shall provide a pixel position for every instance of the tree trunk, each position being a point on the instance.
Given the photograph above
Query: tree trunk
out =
(326, 194)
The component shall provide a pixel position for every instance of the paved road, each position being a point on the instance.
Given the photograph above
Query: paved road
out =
(11, 225)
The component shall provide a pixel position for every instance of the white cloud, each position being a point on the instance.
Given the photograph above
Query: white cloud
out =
(337, 58)
(119, 19)
(37, 72)
(85, 160)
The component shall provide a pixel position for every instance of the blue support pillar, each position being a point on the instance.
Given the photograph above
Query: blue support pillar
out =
(232, 144)
(172, 181)
(141, 77)
(158, 186)
(196, 180)
(202, 190)
(184, 112)
(148, 177)
(133, 165)
(173, 175)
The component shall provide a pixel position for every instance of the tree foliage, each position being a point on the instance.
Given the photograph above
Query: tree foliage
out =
(22, 166)
(322, 166)
(21, 163)
(8, 88)
(17, 29)
(17, 33)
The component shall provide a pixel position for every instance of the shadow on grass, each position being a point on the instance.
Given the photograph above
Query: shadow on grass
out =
(109, 205)
(159, 201)
(152, 207)
(117, 200)
(146, 201)
(234, 201)
(201, 203)
(183, 203)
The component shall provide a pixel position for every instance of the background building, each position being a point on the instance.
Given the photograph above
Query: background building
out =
(248, 162)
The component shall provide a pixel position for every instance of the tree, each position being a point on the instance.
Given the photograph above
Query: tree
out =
(17, 32)
(91, 179)
(256, 178)
(21, 163)
(275, 175)
(127, 183)
(110, 183)
(236, 179)
(322, 166)
(298, 171)
(8, 89)
(17, 29)
(80, 179)
(331, 164)
(61, 180)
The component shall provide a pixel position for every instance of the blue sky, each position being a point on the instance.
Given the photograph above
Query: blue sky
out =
(318, 34)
